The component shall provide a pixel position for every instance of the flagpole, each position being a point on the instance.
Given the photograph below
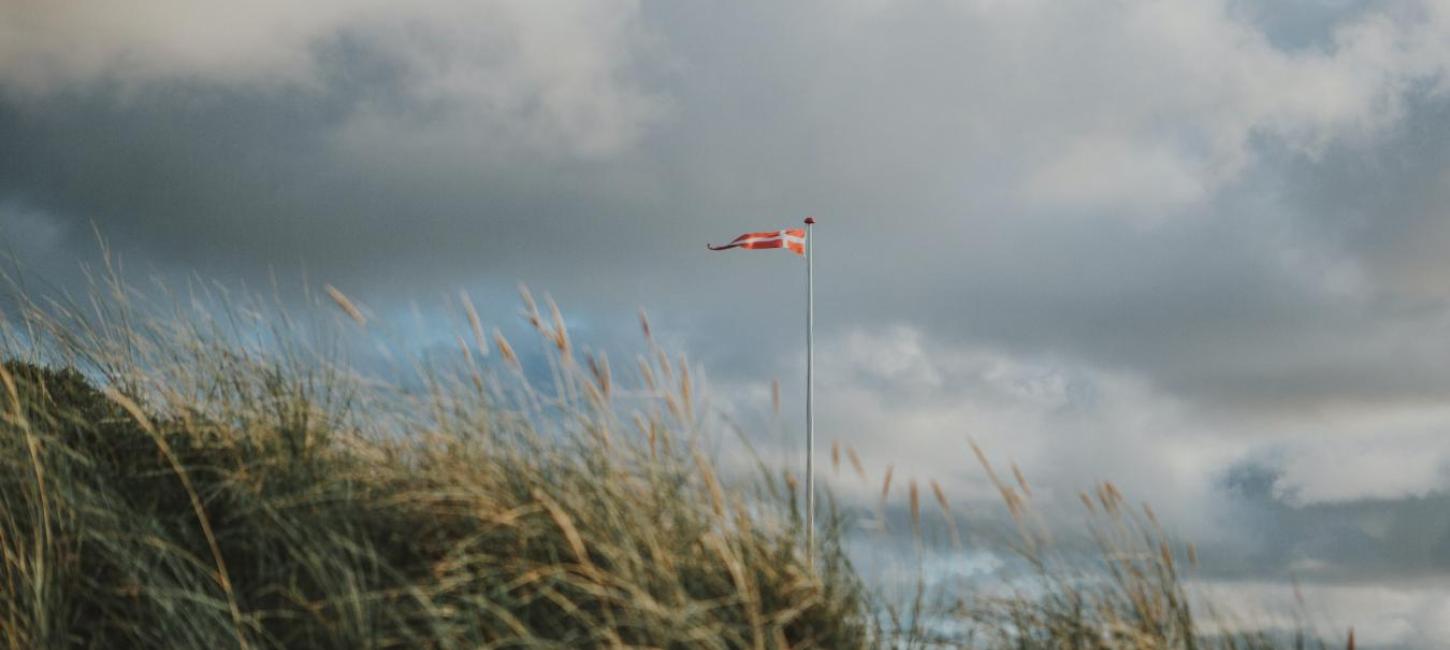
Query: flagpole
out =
(810, 395)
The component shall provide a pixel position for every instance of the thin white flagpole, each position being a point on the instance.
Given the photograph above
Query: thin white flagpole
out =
(810, 395)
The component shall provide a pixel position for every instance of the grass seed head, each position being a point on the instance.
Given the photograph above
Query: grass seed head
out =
(856, 463)
(915, 501)
(560, 332)
(644, 326)
(474, 323)
(531, 308)
(599, 367)
(504, 349)
(346, 305)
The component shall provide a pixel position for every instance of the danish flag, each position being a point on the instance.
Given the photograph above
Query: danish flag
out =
(800, 242)
(791, 238)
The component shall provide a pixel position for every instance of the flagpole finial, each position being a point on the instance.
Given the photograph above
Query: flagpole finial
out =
(810, 221)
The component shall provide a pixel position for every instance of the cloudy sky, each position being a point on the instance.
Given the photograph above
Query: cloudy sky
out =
(1196, 247)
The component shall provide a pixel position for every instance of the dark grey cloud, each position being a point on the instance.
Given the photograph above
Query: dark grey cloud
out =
(1383, 204)
(1348, 542)
(1307, 24)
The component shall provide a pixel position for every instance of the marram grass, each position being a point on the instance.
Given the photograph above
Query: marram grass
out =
(173, 476)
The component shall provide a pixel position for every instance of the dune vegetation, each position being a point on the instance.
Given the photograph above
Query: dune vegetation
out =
(203, 471)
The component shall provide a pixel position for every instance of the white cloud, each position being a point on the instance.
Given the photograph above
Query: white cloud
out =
(1383, 615)
(1154, 104)
(1096, 172)
(50, 46)
(903, 399)
(1386, 453)
(507, 77)
(1130, 107)
(519, 76)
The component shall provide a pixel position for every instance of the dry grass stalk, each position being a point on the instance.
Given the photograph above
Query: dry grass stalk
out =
(531, 310)
(1021, 481)
(566, 526)
(223, 577)
(644, 326)
(12, 392)
(717, 496)
(687, 393)
(856, 463)
(599, 367)
(504, 349)
(647, 374)
(946, 510)
(560, 332)
(474, 323)
(347, 306)
(915, 502)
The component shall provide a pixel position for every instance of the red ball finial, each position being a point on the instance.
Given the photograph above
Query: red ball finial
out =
(810, 220)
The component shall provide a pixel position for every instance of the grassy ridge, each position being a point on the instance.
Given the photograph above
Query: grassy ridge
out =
(218, 494)
(271, 544)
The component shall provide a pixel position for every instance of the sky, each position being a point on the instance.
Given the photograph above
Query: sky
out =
(1194, 247)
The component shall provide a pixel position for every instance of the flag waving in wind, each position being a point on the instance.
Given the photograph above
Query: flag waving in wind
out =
(800, 242)
(792, 238)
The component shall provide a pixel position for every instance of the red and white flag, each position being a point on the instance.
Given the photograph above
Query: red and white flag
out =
(794, 240)
(791, 238)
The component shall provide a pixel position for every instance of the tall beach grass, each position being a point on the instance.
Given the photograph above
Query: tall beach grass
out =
(204, 470)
